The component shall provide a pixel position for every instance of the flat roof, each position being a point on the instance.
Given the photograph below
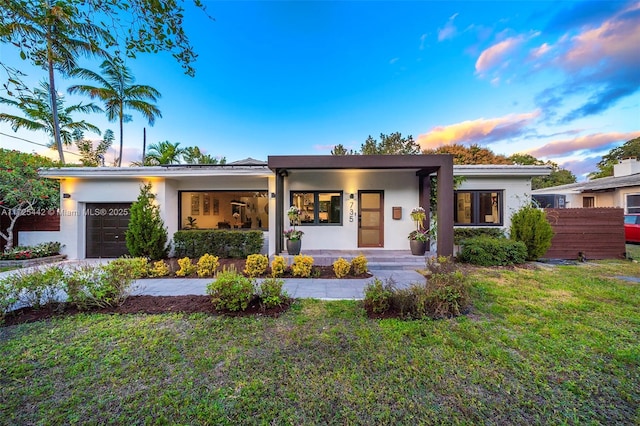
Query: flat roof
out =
(170, 171)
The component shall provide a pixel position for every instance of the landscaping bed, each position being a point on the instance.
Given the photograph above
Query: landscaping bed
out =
(25, 263)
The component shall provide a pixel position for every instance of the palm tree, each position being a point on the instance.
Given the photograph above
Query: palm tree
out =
(117, 91)
(51, 36)
(38, 116)
(163, 153)
(193, 155)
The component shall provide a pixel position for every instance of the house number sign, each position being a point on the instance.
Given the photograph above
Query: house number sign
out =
(352, 213)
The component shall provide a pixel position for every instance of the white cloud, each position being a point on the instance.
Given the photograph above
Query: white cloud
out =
(449, 30)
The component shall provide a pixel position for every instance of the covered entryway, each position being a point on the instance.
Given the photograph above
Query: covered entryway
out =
(370, 218)
(105, 229)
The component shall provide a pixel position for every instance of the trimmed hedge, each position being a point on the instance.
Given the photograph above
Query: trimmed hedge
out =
(462, 234)
(219, 242)
(487, 251)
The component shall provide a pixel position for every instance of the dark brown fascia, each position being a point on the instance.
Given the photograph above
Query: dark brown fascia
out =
(426, 164)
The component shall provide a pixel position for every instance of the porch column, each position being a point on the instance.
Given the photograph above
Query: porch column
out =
(445, 208)
(280, 175)
(424, 188)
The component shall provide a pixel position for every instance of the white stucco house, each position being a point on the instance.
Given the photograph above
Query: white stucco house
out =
(620, 190)
(347, 202)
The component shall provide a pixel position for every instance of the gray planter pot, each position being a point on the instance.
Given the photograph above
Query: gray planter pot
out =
(293, 247)
(418, 248)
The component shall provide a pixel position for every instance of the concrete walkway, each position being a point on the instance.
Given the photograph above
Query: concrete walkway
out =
(325, 289)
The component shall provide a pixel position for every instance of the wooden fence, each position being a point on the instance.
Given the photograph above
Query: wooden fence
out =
(598, 233)
(44, 222)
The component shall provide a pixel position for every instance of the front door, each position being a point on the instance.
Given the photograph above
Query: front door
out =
(370, 218)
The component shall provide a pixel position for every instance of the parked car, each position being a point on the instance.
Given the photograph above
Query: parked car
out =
(632, 228)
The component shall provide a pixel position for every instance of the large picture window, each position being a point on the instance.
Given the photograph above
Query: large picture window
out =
(318, 208)
(633, 203)
(223, 210)
(478, 208)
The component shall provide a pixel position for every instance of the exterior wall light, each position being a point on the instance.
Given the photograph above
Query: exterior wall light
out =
(273, 195)
(352, 196)
(66, 195)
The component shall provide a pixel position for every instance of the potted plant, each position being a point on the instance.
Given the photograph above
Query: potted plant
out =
(419, 237)
(293, 236)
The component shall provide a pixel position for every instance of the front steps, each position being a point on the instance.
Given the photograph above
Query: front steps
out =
(378, 259)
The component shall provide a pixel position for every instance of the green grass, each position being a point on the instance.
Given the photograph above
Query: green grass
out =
(557, 345)
(633, 251)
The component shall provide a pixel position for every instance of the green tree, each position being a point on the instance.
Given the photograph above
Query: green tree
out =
(558, 176)
(474, 154)
(90, 156)
(146, 235)
(38, 116)
(117, 91)
(630, 148)
(530, 225)
(341, 150)
(193, 155)
(163, 153)
(22, 191)
(390, 144)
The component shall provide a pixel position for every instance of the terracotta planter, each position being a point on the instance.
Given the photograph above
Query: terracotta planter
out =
(418, 248)
(293, 246)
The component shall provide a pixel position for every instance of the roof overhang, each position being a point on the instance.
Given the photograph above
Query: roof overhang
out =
(422, 164)
(154, 171)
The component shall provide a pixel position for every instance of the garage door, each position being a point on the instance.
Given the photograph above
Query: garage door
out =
(106, 227)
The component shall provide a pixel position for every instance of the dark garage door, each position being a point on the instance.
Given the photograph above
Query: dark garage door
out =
(106, 226)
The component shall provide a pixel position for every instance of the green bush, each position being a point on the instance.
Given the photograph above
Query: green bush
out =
(219, 242)
(377, 295)
(37, 286)
(230, 291)
(530, 225)
(487, 251)
(50, 248)
(255, 265)
(8, 297)
(146, 235)
(90, 286)
(462, 234)
(138, 266)
(271, 293)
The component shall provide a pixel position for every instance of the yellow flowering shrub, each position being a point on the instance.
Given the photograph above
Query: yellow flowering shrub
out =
(159, 269)
(302, 266)
(255, 265)
(186, 267)
(207, 265)
(359, 265)
(278, 266)
(341, 267)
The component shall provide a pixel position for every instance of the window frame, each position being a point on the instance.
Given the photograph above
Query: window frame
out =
(633, 209)
(475, 206)
(316, 206)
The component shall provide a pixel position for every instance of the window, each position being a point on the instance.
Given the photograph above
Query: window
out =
(633, 203)
(318, 208)
(588, 202)
(477, 207)
(209, 209)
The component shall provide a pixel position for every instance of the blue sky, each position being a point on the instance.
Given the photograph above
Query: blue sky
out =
(555, 79)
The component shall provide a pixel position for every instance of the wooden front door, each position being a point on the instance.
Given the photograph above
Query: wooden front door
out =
(370, 218)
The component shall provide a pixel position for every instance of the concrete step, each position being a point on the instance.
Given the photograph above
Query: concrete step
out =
(377, 259)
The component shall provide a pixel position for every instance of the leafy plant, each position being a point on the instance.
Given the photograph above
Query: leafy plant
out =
(90, 286)
(219, 242)
(487, 251)
(207, 265)
(256, 264)
(341, 267)
(230, 291)
(271, 293)
(278, 266)
(530, 225)
(159, 269)
(146, 235)
(462, 234)
(302, 266)
(36, 286)
(186, 267)
(359, 265)
(138, 266)
(377, 295)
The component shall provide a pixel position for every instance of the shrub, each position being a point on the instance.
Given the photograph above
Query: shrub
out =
(207, 265)
(302, 266)
(530, 225)
(37, 286)
(462, 234)
(159, 269)
(359, 265)
(447, 294)
(100, 286)
(50, 248)
(8, 296)
(271, 293)
(377, 295)
(146, 234)
(341, 267)
(278, 266)
(186, 267)
(139, 266)
(230, 291)
(487, 251)
(256, 264)
(219, 242)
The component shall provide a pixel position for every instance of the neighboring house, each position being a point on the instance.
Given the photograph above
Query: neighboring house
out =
(620, 190)
(347, 202)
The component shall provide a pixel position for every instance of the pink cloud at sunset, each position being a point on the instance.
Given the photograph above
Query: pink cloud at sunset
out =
(476, 131)
(589, 142)
(494, 55)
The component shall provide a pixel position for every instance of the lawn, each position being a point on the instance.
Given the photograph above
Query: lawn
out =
(558, 345)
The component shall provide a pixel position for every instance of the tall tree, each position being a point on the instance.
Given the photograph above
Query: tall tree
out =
(558, 175)
(117, 91)
(162, 153)
(630, 148)
(22, 191)
(91, 156)
(390, 144)
(341, 150)
(193, 155)
(39, 117)
(474, 154)
(51, 37)
(146, 234)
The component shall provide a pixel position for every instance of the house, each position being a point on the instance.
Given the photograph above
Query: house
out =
(620, 190)
(347, 202)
